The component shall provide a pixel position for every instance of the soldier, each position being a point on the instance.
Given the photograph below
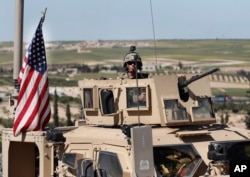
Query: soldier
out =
(132, 65)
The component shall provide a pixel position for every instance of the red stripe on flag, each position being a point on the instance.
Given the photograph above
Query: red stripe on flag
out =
(34, 116)
(45, 114)
(22, 106)
(22, 70)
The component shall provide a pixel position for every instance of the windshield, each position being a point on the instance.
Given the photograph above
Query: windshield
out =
(136, 97)
(204, 109)
(178, 160)
(174, 111)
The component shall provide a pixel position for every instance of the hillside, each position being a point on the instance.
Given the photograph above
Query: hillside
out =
(186, 51)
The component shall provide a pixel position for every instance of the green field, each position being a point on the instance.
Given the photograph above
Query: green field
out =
(188, 50)
(179, 50)
(239, 92)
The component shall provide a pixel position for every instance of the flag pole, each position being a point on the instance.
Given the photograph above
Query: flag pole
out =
(18, 43)
(44, 14)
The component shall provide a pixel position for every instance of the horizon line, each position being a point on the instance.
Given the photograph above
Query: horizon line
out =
(172, 39)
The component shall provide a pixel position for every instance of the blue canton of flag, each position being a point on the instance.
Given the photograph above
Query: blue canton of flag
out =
(36, 53)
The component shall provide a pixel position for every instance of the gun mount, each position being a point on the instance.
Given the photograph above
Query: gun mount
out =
(183, 83)
(172, 138)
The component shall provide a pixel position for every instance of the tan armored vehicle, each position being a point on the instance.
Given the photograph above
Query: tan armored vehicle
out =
(162, 126)
(170, 132)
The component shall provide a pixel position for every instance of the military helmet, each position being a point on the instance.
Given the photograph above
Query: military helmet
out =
(132, 57)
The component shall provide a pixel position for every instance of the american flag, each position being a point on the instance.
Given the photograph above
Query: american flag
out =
(33, 108)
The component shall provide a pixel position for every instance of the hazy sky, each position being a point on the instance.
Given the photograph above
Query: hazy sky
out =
(129, 19)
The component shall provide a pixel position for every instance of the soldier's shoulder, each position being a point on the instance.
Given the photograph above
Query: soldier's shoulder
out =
(122, 75)
(145, 75)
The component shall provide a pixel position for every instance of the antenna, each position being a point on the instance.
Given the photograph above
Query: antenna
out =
(132, 49)
(152, 17)
(138, 91)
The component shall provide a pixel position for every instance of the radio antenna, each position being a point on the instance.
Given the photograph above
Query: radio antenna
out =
(152, 18)
(132, 50)
(138, 91)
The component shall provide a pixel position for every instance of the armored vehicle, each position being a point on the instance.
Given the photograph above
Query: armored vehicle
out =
(161, 126)
(171, 132)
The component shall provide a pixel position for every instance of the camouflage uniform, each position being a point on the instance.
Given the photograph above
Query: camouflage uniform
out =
(124, 75)
(133, 93)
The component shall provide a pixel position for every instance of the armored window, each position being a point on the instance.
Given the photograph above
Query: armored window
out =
(174, 111)
(229, 150)
(109, 164)
(137, 97)
(90, 98)
(107, 101)
(204, 109)
(177, 160)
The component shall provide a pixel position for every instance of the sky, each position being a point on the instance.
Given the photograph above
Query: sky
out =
(75, 20)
